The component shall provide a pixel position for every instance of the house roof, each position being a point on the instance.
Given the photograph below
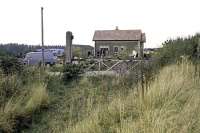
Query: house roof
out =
(118, 35)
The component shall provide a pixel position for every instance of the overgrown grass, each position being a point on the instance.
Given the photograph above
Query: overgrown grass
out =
(19, 99)
(73, 102)
(21, 107)
(171, 105)
(104, 104)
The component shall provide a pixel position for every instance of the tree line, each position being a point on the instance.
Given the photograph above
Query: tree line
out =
(174, 50)
(19, 50)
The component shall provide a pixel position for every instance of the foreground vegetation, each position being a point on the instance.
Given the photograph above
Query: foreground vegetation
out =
(33, 99)
(20, 97)
(171, 104)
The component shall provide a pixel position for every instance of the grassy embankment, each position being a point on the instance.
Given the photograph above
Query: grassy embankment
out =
(33, 101)
(104, 104)
(107, 104)
(171, 105)
(20, 97)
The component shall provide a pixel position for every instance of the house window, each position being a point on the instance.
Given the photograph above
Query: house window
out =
(116, 49)
(98, 54)
(104, 51)
(123, 48)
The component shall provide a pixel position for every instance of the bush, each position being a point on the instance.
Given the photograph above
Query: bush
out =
(9, 85)
(56, 68)
(31, 75)
(174, 50)
(11, 65)
(71, 71)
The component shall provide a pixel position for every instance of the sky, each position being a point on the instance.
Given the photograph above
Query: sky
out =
(159, 19)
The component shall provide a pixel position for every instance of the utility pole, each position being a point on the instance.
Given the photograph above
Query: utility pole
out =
(142, 68)
(142, 76)
(198, 49)
(42, 36)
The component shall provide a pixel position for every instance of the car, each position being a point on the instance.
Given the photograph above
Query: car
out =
(35, 58)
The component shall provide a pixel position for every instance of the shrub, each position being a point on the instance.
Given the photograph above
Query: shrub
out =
(173, 50)
(9, 86)
(56, 68)
(11, 65)
(71, 71)
(32, 75)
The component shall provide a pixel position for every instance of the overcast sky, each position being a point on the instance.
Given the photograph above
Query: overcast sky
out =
(159, 19)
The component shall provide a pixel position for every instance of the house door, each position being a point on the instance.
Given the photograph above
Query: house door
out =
(104, 52)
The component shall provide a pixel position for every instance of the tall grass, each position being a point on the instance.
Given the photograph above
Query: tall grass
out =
(75, 101)
(109, 104)
(171, 105)
(21, 107)
(19, 99)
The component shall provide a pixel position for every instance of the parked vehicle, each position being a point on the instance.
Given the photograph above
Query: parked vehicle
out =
(56, 51)
(35, 58)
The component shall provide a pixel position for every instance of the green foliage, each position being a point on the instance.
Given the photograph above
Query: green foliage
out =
(104, 103)
(9, 85)
(76, 52)
(33, 75)
(74, 101)
(71, 71)
(124, 54)
(170, 105)
(3, 53)
(11, 65)
(111, 104)
(21, 96)
(173, 50)
(56, 68)
(17, 111)
(19, 50)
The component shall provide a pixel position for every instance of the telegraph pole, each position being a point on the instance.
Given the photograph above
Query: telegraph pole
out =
(142, 69)
(198, 49)
(42, 36)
